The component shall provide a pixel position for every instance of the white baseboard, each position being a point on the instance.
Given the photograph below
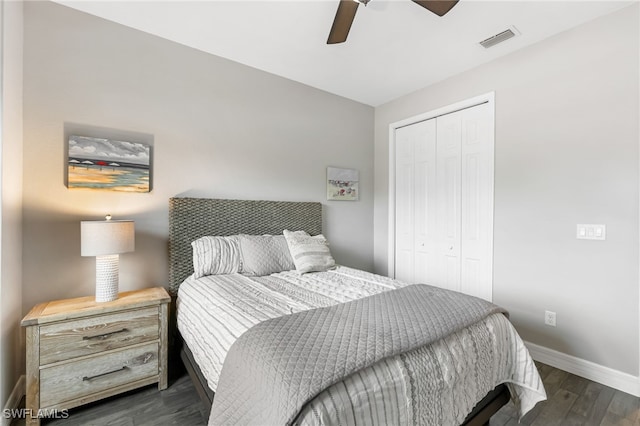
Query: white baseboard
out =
(589, 370)
(13, 401)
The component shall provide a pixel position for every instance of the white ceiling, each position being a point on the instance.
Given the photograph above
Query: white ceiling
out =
(395, 46)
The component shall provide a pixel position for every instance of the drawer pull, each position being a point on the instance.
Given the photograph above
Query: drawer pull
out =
(86, 379)
(105, 335)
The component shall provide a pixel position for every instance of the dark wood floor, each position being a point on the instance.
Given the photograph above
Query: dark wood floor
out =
(572, 401)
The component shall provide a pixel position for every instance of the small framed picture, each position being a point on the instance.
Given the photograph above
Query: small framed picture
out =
(342, 184)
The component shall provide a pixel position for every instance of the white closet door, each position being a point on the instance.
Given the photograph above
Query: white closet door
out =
(404, 204)
(449, 137)
(444, 201)
(415, 202)
(425, 196)
(477, 152)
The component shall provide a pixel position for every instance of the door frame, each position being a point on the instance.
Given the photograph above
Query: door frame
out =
(488, 98)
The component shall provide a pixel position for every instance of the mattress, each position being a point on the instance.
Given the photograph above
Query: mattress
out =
(456, 372)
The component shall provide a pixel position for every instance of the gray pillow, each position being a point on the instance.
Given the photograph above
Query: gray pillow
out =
(264, 254)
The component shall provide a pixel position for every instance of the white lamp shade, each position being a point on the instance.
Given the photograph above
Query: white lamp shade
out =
(106, 237)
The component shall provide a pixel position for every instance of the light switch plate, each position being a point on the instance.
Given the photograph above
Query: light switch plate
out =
(591, 232)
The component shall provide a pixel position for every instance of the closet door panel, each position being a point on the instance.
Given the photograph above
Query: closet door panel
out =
(449, 136)
(404, 247)
(425, 202)
(477, 202)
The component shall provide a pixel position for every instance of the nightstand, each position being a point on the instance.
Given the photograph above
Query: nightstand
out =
(79, 351)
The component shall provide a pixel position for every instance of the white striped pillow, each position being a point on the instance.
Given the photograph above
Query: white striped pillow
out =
(216, 255)
(310, 254)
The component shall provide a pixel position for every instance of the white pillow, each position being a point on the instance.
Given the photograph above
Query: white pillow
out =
(310, 254)
(264, 254)
(215, 256)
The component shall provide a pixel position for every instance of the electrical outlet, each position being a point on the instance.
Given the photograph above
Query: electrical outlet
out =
(550, 318)
(591, 232)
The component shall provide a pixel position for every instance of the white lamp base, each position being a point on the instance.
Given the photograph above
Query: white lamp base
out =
(107, 271)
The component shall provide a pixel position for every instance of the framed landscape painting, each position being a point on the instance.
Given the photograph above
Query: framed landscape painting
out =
(105, 164)
(342, 184)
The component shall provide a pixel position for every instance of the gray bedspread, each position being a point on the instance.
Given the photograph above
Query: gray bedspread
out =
(279, 365)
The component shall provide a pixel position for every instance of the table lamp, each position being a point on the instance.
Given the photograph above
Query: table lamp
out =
(106, 240)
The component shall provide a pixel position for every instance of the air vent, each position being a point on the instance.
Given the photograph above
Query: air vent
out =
(498, 38)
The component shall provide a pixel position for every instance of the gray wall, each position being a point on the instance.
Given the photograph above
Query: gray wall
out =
(566, 153)
(219, 129)
(11, 358)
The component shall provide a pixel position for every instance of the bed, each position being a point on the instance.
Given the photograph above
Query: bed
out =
(394, 389)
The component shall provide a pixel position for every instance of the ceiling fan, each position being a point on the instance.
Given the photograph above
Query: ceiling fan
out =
(347, 11)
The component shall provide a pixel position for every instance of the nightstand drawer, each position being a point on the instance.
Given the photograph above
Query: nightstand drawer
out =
(77, 379)
(66, 340)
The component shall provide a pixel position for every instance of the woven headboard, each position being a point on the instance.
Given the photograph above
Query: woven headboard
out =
(192, 218)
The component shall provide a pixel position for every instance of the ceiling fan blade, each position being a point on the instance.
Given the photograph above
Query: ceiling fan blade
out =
(439, 7)
(342, 22)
